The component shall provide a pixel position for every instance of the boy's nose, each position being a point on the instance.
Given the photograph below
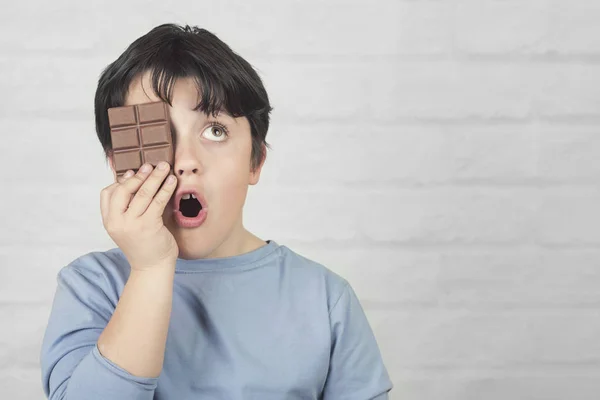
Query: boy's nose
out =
(182, 170)
(186, 160)
(186, 165)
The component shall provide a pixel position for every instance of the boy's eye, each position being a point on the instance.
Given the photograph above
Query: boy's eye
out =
(217, 131)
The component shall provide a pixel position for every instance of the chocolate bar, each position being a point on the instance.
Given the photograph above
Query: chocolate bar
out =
(140, 133)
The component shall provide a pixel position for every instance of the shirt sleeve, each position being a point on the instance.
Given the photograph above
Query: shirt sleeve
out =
(72, 367)
(356, 368)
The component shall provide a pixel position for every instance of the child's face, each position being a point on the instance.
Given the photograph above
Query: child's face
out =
(216, 165)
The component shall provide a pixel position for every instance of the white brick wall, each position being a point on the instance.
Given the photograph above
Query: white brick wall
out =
(449, 150)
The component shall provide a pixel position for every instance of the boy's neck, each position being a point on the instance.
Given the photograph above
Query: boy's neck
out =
(251, 242)
(241, 243)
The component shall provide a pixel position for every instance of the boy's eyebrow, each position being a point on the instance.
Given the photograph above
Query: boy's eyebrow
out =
(225, 112)
(222, 111)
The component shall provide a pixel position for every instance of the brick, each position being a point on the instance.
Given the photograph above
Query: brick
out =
(568, 153)
(574, 27)
(450, 90)
(569, 216)
(501, 27)
(568, 90)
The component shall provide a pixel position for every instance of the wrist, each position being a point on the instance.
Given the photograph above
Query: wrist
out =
(166, 267)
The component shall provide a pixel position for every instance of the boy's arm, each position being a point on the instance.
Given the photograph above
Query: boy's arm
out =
(356, 368)
(136, 336)
(83, 322)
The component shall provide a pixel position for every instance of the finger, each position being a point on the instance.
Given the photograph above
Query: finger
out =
(162, 198)
(125, 176)
(105, 195)
(108, 191)
(146, 193)
(122, 195)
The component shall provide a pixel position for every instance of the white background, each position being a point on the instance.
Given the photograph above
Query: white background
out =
(443, 156)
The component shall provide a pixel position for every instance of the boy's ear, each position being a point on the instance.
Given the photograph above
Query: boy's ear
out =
(255, 175)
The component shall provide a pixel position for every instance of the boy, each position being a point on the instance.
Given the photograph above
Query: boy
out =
(191, 305)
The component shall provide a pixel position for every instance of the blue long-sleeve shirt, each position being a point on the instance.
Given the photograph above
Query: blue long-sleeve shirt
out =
(268, 324)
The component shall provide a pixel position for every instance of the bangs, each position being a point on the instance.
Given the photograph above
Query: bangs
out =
(212, 94)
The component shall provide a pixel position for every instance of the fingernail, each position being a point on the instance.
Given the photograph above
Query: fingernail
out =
(146, 168)
(162, 165)
(128, 174)
(171, 179)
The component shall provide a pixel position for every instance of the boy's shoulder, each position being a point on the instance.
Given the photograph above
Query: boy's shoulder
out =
(99, 261)
(313, 273)
(294, 259)
(107, 270)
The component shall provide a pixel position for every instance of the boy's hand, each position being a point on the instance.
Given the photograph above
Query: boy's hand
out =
(132, 210)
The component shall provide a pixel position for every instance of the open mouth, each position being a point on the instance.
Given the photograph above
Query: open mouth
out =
(189, 205)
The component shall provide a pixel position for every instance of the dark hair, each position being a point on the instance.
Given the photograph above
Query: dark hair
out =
(224, 79)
